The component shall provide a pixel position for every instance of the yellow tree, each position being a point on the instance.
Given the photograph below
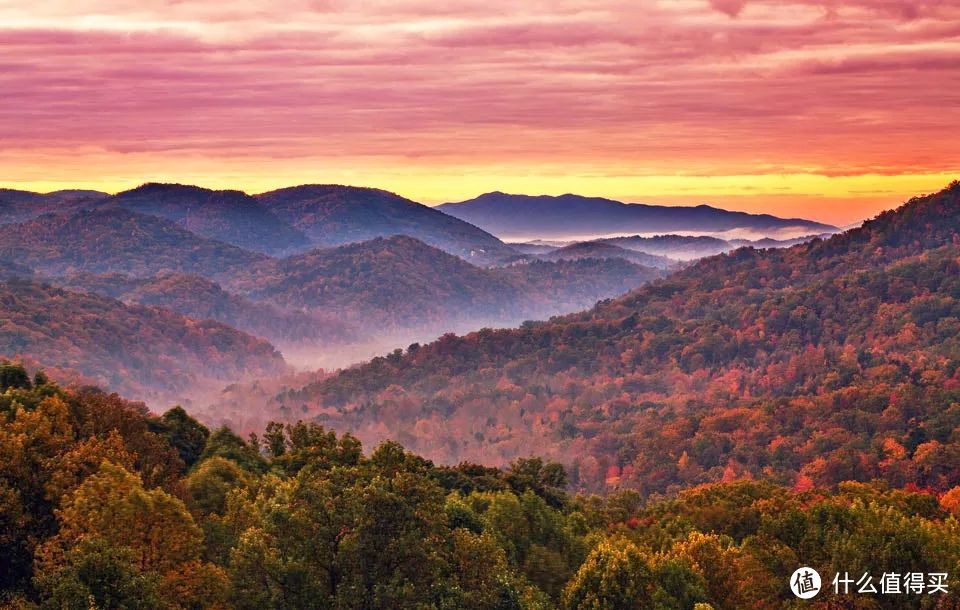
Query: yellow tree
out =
(152, 528)
(615, 576)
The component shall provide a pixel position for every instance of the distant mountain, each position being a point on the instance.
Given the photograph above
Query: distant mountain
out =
(400, 282)
(599, 249)
(232, 217)
(554, 288)
(116, 240)
(831, 360)
(679, 247)
(202, 299)
(396, 281)
(149, 353)
(332, 215)
(684, 247)
(530, 247)
(573, 216)
(768, 242)
(18, 206)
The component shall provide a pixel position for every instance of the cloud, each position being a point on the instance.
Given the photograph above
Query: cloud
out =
(730, 7)
(609, 87)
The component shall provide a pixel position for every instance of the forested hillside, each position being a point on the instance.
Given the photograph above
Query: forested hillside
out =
(19, 206)
(105, 505)
(833, 360)
(330, 307)
(116, 240)
(334, 215)
(228, 216)
(203, 299)
(597, 249)
(149, 352)
(401, 282)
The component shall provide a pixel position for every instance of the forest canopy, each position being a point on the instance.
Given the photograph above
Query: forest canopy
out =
(105, 505)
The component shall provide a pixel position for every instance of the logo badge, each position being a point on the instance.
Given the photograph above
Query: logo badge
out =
(805, 583)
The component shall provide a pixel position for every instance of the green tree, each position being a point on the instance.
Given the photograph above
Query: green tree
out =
(184, 433)
(94, 573)
(615, 576)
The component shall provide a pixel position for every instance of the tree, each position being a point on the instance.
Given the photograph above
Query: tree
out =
(97, 574)
(615, 576)
(184, 433)
(13, 376)
(224, 443)
(112, 505)
(211, 481)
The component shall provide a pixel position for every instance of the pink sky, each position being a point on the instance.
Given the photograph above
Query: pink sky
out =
(826, 109)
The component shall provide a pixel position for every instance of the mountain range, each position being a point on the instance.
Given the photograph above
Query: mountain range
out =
(576, 217)
(328, 273)
(830, 360)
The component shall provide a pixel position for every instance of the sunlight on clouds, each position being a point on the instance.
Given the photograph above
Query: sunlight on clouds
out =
(831, 109)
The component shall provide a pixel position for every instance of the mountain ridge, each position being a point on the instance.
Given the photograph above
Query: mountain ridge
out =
(333, 215)
(546, 216)
(115, 239)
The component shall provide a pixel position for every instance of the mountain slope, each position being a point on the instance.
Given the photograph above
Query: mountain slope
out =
(573, 216)
(830, 360)
(232, 217)
(554, 288)
(332, 215)
(115, 240)
(149, 353)
(401, 282)
(202, 299)
(19, 206)
(396, 279)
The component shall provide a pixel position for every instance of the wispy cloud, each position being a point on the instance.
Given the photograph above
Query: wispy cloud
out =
(725, 87)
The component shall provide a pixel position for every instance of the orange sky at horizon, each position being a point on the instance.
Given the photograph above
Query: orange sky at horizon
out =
(831, 110)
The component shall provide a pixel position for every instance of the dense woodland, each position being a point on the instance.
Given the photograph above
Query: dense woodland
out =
(86, 338)
(105, 505)
(833, 360)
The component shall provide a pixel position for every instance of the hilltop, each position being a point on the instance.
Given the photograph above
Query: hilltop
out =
(116, 240)
(333, 215)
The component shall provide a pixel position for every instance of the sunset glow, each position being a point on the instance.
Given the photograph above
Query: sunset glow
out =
(830, 109)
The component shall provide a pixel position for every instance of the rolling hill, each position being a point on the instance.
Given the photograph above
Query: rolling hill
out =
(232, 217)
(401, 282)
(576, 217)
(830, 360)
(599, 249)
(333, 215)
(148, 353)
(203, 299)
(116, 240)
(19, 206)
(395, 279)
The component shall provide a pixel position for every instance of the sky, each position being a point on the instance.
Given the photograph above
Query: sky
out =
(825, 109)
